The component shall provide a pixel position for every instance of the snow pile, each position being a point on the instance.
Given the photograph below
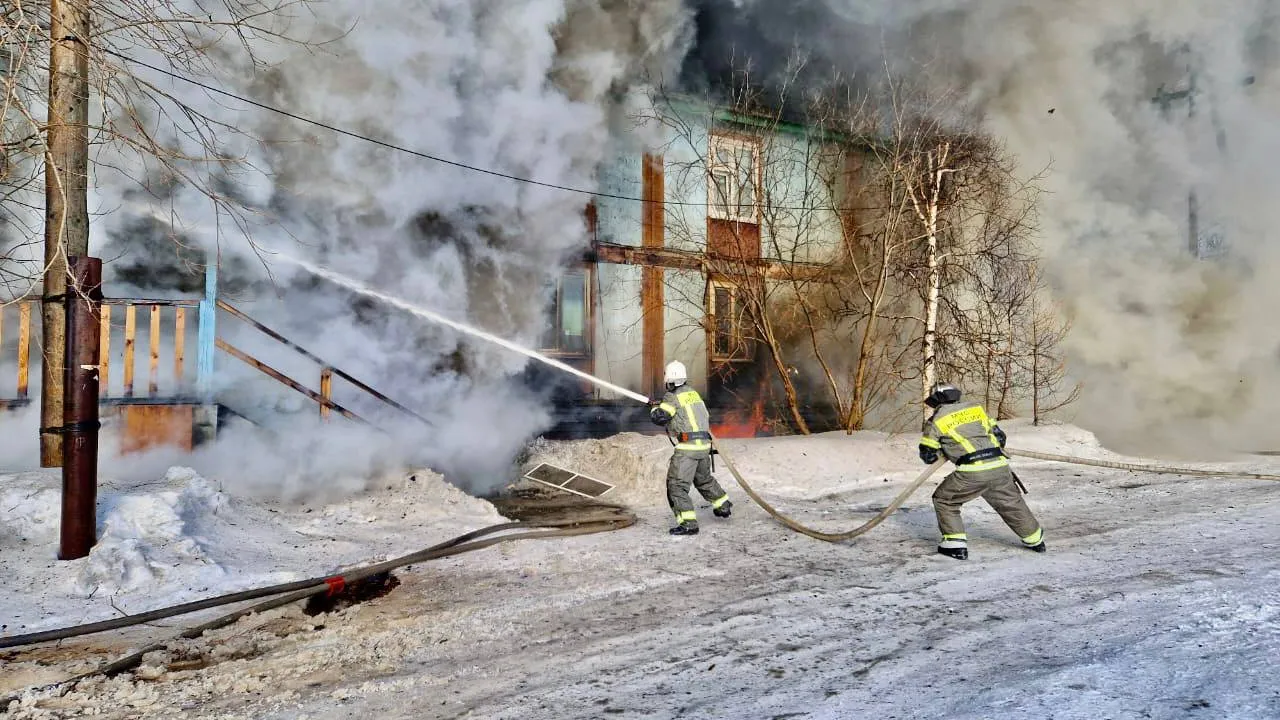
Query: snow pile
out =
(185, 537)
(146, 535)
(29, 510)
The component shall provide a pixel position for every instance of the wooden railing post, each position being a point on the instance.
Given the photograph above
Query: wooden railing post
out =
(153, 367)
(179, 346)
(326, 391)
(24, 347)
(130, 343)
(206, 346)
(104, 350)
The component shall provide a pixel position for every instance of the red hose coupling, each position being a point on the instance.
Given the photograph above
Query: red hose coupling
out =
(336, 584)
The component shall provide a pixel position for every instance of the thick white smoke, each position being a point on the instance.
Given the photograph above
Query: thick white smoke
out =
(1172, 350)
(523, 87)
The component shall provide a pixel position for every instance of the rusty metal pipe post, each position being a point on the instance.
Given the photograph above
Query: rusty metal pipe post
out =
(80, 409)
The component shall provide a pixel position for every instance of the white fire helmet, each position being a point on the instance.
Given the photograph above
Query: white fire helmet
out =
(675, 374)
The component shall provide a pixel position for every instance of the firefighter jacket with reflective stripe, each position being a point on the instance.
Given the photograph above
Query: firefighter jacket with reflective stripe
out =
(690, 423)
(967, 436)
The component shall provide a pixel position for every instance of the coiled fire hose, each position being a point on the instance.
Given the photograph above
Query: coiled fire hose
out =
(604, 518)
(909, 490)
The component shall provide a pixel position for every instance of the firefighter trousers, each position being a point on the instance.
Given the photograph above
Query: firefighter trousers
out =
(997, 487)
(691, 467)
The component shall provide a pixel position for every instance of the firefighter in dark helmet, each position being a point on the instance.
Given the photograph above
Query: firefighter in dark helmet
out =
(964, 434)
(685, 417)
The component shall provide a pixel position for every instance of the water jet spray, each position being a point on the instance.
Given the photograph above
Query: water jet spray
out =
(358, 287)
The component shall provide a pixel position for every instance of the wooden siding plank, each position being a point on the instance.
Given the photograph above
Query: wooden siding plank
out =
(653, 322)
(685, 260)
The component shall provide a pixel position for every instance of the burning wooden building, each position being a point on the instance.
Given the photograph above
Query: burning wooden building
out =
(695, 249)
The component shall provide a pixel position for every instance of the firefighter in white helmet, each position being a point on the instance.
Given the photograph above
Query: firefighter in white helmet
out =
(685, 416)
(964, 434)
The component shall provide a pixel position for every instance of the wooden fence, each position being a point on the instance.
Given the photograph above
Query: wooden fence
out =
(154, 312)
(120, 324)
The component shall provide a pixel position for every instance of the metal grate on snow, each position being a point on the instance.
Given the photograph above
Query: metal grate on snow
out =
(569, 481)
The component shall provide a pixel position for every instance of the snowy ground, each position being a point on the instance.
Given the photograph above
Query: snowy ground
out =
(1159, 598)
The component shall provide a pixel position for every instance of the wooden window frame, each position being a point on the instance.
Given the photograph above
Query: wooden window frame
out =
(728, 209)
(739, 334)
(588, 310)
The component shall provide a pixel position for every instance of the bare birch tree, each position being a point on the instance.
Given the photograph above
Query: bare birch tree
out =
(971, 218)
(146, 126)
(1046, 327)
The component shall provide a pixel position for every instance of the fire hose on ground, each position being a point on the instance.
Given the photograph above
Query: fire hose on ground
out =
(909, 490)
(603, 518)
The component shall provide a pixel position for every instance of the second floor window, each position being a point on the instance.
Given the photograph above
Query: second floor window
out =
(733, 179)
(569, 312)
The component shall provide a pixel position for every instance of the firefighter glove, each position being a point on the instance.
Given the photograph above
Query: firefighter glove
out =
(928, 455)
(1001, 438)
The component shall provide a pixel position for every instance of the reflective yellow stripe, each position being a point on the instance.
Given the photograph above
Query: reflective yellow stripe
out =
(962, 441)
(955, 536)
(1035, 537)
(668, 408)
(719, 501)
(686, 400)
(987, 465)
(948, 423)
(686, 516)
(987, 425)
(930, 442)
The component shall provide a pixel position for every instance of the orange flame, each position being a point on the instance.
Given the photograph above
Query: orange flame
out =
(740, 423)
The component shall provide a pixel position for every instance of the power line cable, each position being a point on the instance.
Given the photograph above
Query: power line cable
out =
(436, 158)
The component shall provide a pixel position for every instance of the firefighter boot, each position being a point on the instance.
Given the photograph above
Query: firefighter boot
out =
(724, 511)
(1038, 547)
(954, 548)
(685, 528)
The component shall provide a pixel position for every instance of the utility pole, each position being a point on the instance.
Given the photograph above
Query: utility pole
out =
(66, 217)
(78, 532)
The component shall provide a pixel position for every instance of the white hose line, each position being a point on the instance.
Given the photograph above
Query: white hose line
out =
(1135, 467)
